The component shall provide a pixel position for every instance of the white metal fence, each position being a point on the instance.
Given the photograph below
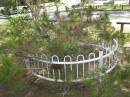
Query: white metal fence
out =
(70, 69)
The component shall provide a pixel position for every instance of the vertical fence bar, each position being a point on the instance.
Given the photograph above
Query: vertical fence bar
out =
(43, 57)
(109, 63)
(113, 58)
(27, 63)
(34, 64)
(106, 52)
(65, 71)
(78, 59)
(53, 73)
(89, 68)
(59, 74)
(70, 60)
(55, 58)
(47, 65)
(42, 65)
(83, 70)
(101, 59)
(48, 72)
(77, 71)
(37, 63)
(93, 56)
(100, 71)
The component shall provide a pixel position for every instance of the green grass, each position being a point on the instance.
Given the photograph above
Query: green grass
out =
(124, 7)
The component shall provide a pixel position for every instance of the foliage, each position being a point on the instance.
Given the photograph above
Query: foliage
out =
(107, 32)
(60, 37)
(42, 33)
(93, 89)
(122, 38)
(9, 6)
(122, 72)
(109, 87)
(11, 75)
(21, 37)
(62, 48)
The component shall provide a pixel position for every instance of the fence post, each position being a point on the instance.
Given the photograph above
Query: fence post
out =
(100, 79)
(100, 65)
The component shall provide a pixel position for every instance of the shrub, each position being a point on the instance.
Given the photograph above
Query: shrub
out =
(11, 75)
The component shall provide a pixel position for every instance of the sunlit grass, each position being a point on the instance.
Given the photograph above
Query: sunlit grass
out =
(125, 7)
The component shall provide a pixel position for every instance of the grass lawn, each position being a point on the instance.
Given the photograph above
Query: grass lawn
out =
(124, 7)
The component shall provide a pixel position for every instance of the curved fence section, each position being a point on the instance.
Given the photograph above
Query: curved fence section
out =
(71, 69)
